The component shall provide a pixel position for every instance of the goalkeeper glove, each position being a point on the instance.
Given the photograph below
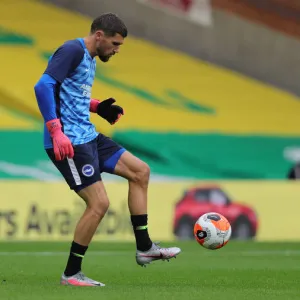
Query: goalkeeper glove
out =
(105, 109)
(61, 144)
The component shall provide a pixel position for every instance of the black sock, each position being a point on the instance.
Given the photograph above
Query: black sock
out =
(75, 259)
(140, 228)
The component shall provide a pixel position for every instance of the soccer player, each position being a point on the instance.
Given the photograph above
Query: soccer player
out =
(81, 154)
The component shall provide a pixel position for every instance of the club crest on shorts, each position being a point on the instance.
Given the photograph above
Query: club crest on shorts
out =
(88, 170)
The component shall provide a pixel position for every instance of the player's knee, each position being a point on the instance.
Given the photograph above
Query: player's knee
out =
(143, 174)
(99, 209)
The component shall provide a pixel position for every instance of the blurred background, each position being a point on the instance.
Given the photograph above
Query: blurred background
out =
(211, 95)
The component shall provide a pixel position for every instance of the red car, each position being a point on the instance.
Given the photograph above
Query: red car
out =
(203, 199)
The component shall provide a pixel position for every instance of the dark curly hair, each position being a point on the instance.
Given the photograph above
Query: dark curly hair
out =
(110, 24)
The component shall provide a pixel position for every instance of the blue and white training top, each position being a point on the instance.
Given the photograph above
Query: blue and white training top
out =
(64, 92)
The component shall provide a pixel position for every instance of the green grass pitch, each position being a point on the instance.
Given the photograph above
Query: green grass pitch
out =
(238, 271)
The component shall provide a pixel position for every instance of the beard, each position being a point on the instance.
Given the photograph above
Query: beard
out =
(104, 58)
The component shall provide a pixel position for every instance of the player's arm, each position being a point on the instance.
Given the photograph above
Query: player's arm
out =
(63, 62)
(44, 92)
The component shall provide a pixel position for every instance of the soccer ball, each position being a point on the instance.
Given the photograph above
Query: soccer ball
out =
(212, 231)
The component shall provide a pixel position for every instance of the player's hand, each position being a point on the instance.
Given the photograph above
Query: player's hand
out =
(111, 113)
(61, 144)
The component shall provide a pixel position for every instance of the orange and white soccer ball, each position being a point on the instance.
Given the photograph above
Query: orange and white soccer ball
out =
(212, 231)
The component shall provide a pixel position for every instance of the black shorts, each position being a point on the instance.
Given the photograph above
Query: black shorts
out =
(89, 161)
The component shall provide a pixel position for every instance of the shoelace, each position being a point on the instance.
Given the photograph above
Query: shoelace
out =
(166, 250)
(81, 276)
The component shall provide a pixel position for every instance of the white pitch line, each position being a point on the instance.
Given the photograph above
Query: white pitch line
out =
(201, 252)
(29, 253)
(271, 252)
(254, 253)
